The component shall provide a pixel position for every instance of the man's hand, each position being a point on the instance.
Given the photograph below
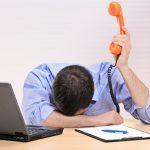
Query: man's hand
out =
(108, 118)
(124, 41)
(139, 92)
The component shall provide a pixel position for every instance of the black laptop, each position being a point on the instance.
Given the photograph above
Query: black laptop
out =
(12, 125)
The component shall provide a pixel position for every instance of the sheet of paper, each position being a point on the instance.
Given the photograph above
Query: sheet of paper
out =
(97, 131)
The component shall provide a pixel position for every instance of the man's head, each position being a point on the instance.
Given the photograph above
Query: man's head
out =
(72, 90)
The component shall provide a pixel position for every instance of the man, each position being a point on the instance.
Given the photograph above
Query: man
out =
(67, 95)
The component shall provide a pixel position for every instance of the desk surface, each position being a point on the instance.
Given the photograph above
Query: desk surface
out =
(71, 140)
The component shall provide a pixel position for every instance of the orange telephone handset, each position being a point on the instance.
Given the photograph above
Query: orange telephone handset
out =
(115, 10)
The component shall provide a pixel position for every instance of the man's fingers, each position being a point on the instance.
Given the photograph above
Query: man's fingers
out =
(118, 119)
(119, 40)
(126, 31)
(120, 43)
(120, 36)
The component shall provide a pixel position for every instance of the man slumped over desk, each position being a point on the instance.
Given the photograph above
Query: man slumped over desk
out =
(67, 95)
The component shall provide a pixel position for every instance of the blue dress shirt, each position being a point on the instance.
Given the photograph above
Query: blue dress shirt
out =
(38, 103)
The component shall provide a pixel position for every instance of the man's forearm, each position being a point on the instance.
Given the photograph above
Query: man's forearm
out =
(58, 120)
(138, 90)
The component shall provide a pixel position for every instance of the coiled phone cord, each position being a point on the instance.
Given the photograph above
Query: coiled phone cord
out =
(109, 75)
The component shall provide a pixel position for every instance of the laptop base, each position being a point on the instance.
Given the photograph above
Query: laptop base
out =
(27, 138)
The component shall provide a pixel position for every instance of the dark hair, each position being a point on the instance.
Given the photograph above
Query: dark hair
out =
(72, 89)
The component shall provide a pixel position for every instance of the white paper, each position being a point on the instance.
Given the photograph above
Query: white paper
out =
(97, 131)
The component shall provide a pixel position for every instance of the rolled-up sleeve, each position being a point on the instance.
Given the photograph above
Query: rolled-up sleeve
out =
(123, 95)
(36, 103)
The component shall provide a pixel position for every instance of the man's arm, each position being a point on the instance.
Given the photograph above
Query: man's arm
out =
(137, 89)
(57, 120)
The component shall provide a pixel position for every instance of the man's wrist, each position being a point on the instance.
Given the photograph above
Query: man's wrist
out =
(99, 120)
(82, 121)
(91, 121)
(123, 68)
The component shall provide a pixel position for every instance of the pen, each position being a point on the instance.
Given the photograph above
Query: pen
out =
(115, 131)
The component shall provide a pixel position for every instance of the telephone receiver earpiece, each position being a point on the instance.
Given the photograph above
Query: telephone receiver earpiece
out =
(116, 10)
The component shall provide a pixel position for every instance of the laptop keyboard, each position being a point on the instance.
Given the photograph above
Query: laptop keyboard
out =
(36, 130)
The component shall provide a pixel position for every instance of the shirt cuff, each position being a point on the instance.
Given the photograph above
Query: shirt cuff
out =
(46, 110)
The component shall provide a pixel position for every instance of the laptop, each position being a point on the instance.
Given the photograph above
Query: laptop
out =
(12, 125)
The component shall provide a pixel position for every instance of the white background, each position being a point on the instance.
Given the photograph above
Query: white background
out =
(43, 31)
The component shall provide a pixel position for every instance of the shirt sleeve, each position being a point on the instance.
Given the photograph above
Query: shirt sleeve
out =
(123, 95)
(36, 102)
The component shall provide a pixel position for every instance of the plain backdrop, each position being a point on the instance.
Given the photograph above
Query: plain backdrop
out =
(43, 31)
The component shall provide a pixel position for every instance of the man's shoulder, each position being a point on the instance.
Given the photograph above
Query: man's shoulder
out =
(100, 66)
(44, 66)
(53, 68)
